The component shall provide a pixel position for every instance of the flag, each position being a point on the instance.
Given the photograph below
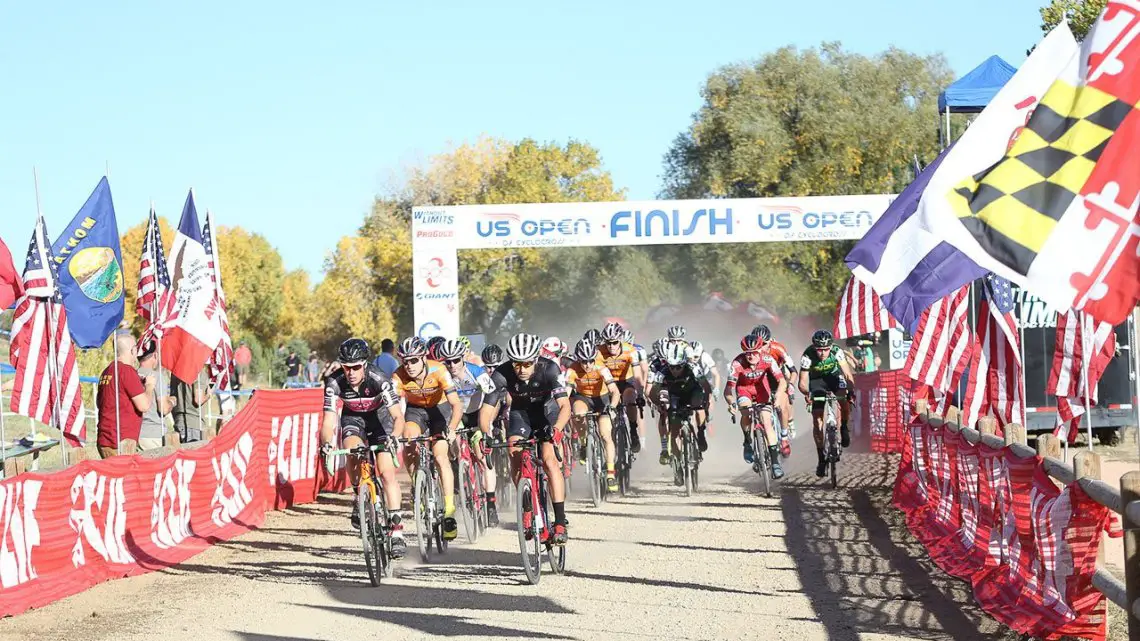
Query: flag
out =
(47, 377)
(942, 345)
(224, 353)
(11, 287)
(1079, 337)
(191, 332)
(860, 312)
(1058, 214)
(994, 385)
(89, 263)
(154, 278)
(906, 256)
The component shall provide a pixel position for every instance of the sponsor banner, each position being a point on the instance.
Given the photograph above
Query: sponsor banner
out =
(651, 222)
(900, 348)
(66, 531)
(999, 522)
(435, 283)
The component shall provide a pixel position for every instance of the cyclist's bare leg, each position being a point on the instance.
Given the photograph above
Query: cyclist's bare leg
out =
(817, 427)
(785, 405)
(578, 411)
(516, 458)
(629, 400)
(606, 427)
(554, 475)
(439, 451)
(745, 417)
(767, 425)
(349, 443)
(391, 486)
(675, 434)
(411, 457)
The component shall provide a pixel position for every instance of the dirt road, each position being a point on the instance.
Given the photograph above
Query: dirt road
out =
(810, 563)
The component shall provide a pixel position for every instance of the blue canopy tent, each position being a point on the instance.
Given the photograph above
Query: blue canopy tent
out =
(972, 92)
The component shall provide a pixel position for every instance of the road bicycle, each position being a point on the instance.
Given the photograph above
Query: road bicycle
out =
(832, 449)
(427, 499)
(533, 510)
(500, 463)
(470, 482)
(375, 524)
(623, 453)
(595, 459)
(761, 459)
(686, 462)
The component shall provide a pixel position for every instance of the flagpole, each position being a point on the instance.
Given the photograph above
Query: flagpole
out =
(52, 355)
(118, 427)
(1085, 358)
(155, 245)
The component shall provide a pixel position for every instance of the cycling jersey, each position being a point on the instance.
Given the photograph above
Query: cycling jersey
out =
(533, 406)
(593, 382)
(707, 365)
(621, 366)
(821, 366)
(428, 392)
(475, 387)
(783, 358)
(754, 382)
(364, 411)
(683, 389)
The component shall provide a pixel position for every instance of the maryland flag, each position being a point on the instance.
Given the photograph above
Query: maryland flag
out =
(1058, 214)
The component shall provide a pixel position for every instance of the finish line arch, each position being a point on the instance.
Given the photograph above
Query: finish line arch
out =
(438, 233)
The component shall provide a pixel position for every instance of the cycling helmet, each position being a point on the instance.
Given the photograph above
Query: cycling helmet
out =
(659, 347)
(433, 344)
(698, 349)
(718, 355)
(493, 355)
(523, 347)
(627, 336)
(411, 347)
(552, 345)
(821, 339)
(675, 332)
(466, 342)
(613, 332)
(585, 351)
(751, 343)
(676, 353)
(593, 335)
(352, 351)
(448, 350)
(763, 332)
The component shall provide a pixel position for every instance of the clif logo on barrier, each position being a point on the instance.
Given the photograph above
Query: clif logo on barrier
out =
(501, 225)
(788, 217)
(658, 222)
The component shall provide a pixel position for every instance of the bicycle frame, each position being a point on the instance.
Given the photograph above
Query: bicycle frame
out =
(428, 509)
(533, 496)
(375, 529)
(831, 432)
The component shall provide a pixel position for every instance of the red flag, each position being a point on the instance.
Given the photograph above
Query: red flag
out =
(860, 312)
(11, 287)
(1079, 337)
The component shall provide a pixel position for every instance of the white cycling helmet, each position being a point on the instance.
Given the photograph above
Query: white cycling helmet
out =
(523, 347)
(677, 353)
(451, 349)
(585, 351)
(613, 332)
(553, 345)
(675, 332)
(659, 347)
(698, 349)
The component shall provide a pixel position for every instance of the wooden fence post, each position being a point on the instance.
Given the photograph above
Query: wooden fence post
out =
(1014, 433)
(1129, 492)
(1048, 446)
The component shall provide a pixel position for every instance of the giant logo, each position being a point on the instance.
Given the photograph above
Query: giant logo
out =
(501, 225)
(658, 222)
(781, 217)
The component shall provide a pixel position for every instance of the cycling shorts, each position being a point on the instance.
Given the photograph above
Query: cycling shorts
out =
(629, 384)
(692, 397)
(373, 429)
(470, 420)
(431, 420)
(536, 421)
(758, 394)
(598, 404)
(834, 383)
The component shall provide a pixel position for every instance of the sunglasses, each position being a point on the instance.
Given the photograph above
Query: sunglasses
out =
(353, 368)
(523, 364)
(412, 360)
(613, 343)
(453, 361)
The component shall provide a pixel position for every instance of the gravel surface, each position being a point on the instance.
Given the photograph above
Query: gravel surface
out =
(809, 563)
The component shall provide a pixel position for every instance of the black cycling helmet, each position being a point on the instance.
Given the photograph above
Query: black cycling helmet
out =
(592, 335)
(763, 332)
(821, 339)
(493, 355)
(353, 350)
(585, 351)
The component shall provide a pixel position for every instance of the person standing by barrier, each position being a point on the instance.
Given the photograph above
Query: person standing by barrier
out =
(313, 369)
(187, 412)
(292, 369)
(386, 361)
(119, 433)
(161, 402)
(243, 357)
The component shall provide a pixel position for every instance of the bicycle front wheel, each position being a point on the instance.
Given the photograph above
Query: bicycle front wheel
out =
(467, 500)
(760, 445)
(366, 511)
(422, 511)
(687, 462)
(593, 473)
(437, 514)
(529, 545)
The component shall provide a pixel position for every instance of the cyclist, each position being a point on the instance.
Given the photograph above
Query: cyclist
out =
(433, 344)
(594, 390)
(469, 354)
(539, 408)
(656, 362)
(370, 413)
(751, 377)
(823, 369)
(624, 364)
(594, 336)
(784, 359)
(702, 359)
(678, 383)
(481, 405)
(642, 358)
(433, 405)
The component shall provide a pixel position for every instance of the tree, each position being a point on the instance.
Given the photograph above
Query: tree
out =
(253, 277)
(298, 309)
(1080, 14)
(798, 123)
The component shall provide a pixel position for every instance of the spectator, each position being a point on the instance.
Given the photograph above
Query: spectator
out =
(119, 433)
(292, 368)
(242, 359)
(161, 402)
(188, 399)
(313, 369)
(385, 361)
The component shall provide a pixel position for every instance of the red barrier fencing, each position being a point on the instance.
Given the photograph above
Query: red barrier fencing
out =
(999, 521)
(127, 515)
(882, 406)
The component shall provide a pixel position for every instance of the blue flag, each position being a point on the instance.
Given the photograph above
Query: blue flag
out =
(90, 270)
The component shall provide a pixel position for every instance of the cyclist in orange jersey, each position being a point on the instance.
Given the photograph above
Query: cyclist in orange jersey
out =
(594, 391)
(624, 363)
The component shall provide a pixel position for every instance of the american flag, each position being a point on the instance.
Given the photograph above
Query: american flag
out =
(861, 312)
(1079, 336)
(942, 345)
(224, 353)
(154, 279)
(995, 381)
(47, 377)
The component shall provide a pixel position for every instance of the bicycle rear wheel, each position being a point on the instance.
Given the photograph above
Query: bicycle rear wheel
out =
(760, 451)
(592, 472)
(366, 511)
(422, 512)
(467, 500)
(686, 462)
(529, 545)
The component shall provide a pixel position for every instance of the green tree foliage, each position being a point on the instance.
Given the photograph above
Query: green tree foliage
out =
(799, 123)
(1080, 14)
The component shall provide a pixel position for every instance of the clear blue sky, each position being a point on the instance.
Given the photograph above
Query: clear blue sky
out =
(288, 117)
